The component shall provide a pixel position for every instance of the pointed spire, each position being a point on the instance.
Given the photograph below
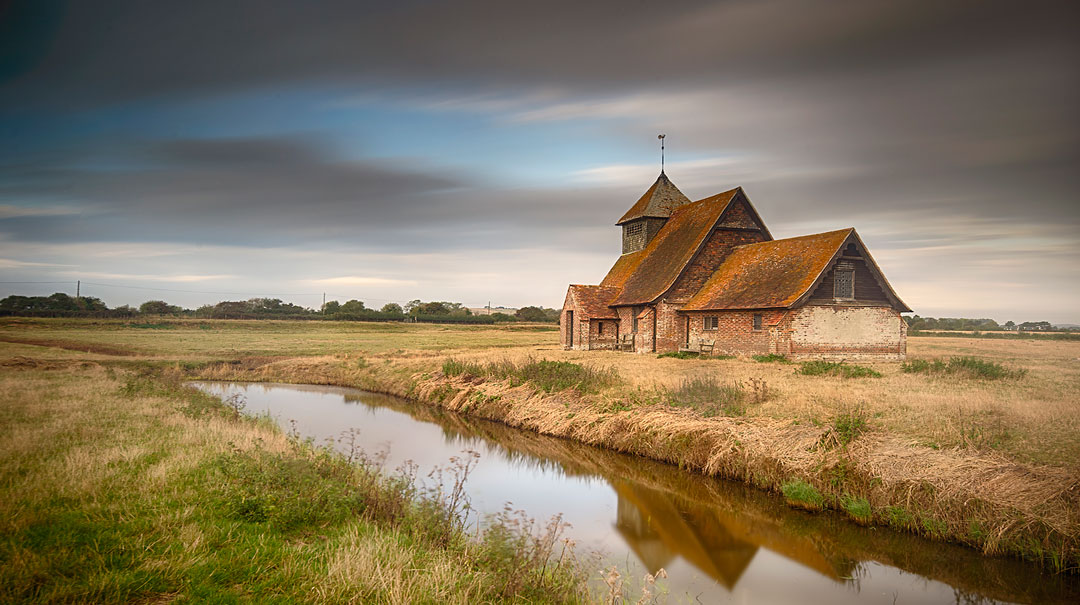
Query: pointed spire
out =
(661, 137)
(657, 202)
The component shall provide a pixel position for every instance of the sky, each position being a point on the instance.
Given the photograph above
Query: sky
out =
(481, 151)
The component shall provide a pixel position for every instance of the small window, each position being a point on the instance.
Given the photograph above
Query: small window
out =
(634, 228)
(599, 328)
(844, 285)
(712, 322)
(757, 321)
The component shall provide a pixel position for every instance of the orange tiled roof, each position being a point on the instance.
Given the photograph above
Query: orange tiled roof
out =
(769, 274)
(656, 268)
(594, 300)
(659, 201)
(623, 268)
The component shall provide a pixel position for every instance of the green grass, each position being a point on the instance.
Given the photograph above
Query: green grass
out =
(971, 367)
(709, 396)
(546, 375)
(858, 508)
(771, 358)
(849, 424)
(843, 370)
(691, 355)
(802, 495)
(124, 487)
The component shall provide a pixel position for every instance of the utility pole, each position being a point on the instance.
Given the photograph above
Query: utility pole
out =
(323, 309)
(78, 288)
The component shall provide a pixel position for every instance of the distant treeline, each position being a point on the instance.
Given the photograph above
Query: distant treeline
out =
(916, 323)
(62, 305)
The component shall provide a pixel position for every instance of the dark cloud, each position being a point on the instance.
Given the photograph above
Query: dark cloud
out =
(113, 50)
(285, 191)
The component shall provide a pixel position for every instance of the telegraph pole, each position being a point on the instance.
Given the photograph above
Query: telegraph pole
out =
(78, 288)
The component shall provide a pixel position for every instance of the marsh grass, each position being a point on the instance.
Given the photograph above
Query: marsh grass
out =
(120, 487)
(801, 494)
(841, 369)
(709, 396)
(546, 375)
(969, 367)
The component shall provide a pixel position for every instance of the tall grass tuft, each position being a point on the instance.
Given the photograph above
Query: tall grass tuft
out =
(971, 367)
(709, 396)
(771, 358)
(828, 368)
(801, 494)
(546, 375)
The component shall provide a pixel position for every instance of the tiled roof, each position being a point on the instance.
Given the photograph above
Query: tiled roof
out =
(663, 259)
(774, 274)
(593, 301)
(659, 201)
(623, 268)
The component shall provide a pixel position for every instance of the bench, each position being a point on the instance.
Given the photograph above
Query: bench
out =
(704, 347)
(626, 343)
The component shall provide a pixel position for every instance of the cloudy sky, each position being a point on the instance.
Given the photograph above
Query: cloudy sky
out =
(482, 150)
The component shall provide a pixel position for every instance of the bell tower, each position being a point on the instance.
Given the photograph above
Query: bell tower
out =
(645, 218)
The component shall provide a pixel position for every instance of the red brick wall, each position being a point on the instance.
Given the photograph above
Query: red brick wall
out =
(605, 340)
(717, 248)
(848, 332)
(670, 327)
(580, 327)
(736, 334)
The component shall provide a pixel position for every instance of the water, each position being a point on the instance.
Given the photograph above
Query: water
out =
(720, 542)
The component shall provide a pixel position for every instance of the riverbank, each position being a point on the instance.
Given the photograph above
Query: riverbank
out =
(117, 486)
(978, 499)
(986, 462)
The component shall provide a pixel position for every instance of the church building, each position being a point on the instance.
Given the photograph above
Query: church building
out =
(707, 276)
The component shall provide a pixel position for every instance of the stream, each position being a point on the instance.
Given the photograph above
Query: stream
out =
(719, 541)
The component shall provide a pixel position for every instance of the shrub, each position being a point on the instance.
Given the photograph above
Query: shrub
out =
(823, 368)
(972, 367)
(708, 395)
(849, 424)
(802, 495)
(771, 358)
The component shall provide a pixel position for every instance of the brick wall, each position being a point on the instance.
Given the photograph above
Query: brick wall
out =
(670, 327)
(736, 334)
(605, 339)
(856, 332)
(717, 248)
(580, 325)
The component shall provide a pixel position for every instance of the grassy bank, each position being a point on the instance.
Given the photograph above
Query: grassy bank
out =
(118, 486)
(987, 461)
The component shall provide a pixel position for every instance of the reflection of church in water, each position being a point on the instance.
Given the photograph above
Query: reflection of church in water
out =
(659, 527)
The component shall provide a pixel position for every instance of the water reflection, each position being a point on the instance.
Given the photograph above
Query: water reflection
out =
(721, 541)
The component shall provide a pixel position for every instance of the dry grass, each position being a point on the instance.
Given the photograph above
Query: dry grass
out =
(111, 491)
(945, 453)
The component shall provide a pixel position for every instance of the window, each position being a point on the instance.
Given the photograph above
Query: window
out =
(757, 321)
(844, 284)
(634, 228)
(599, 328)
(712, 322)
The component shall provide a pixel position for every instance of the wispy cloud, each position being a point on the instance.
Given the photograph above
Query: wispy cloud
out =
(147, 277)
(356, 280)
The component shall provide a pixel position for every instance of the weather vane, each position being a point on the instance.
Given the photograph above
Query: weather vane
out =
(661, 137)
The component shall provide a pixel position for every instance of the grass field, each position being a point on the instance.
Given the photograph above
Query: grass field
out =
(987, 456)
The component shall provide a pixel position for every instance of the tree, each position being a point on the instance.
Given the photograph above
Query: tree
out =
(392, 308)
(1010, 325)
(331, 307)
(158, 307)
(531, 314)
(353, 306)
